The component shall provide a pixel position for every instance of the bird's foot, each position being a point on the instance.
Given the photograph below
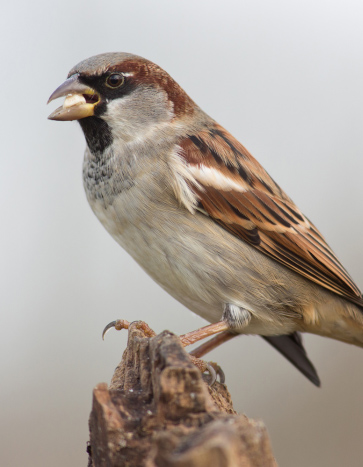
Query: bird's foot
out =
(124, 324)
(210, 370)
(222, 330)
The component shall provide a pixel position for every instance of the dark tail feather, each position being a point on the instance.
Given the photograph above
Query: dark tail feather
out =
(291, 347)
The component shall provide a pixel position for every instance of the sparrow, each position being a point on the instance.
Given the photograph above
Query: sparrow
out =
(200, 215)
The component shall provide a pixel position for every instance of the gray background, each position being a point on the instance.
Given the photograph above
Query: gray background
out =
(285, 77)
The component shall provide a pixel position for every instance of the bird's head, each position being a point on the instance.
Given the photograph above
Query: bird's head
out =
(119, 95)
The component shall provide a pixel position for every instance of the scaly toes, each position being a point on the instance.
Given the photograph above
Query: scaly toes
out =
(123, 324)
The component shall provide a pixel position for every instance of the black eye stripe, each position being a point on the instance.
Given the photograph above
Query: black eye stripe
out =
(107, 93)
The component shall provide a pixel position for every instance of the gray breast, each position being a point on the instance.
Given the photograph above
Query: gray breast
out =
(105, 176)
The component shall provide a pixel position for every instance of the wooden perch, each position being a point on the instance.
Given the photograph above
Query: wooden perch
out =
(158, 412)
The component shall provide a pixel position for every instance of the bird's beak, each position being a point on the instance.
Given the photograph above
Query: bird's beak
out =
(79, 103)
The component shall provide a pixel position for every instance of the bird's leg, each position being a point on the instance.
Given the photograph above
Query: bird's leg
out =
(234, 318)
(213, 343)
(201, 333)
(219, 328)
(207, 347)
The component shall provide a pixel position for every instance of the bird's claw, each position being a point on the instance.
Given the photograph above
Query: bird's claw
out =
(219, 372)
(212, 368)
(210, 378)
(215, 373)
(118, 325)
(124, 324)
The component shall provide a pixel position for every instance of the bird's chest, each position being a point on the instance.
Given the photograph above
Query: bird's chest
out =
(187, 254)
(131, 206)
(144, 218)
(104, 178)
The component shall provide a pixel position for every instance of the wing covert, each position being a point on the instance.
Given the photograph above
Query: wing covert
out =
(235, 190)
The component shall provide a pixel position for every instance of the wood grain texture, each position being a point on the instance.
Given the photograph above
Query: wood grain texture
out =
(159, 412)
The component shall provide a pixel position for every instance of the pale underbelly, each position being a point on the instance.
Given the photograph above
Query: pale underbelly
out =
(181, 254)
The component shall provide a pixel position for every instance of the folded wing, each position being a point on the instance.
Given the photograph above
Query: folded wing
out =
(234, 190)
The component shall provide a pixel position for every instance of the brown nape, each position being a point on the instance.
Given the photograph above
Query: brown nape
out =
(146, 72)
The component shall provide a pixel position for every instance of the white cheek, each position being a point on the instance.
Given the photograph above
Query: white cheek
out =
(137, 113)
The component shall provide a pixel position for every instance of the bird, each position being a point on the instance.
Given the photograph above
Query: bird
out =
(201, 216)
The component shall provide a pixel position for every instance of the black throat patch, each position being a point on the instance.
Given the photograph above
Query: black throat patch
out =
(97, 133)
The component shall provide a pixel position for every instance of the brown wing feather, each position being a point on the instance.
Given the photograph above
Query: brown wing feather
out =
(237, 192)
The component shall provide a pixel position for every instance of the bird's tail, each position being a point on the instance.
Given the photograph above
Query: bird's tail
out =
(291, 347)
(335, 318)
(340, 320)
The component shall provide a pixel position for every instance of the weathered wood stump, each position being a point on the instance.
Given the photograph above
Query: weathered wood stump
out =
(158, 412)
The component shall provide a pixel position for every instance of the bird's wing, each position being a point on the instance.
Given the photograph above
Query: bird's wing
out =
(235, 191)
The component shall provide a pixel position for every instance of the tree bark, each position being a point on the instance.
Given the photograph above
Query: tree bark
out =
(158, 412)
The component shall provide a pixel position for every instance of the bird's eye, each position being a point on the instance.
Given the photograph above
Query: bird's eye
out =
(115, 80)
